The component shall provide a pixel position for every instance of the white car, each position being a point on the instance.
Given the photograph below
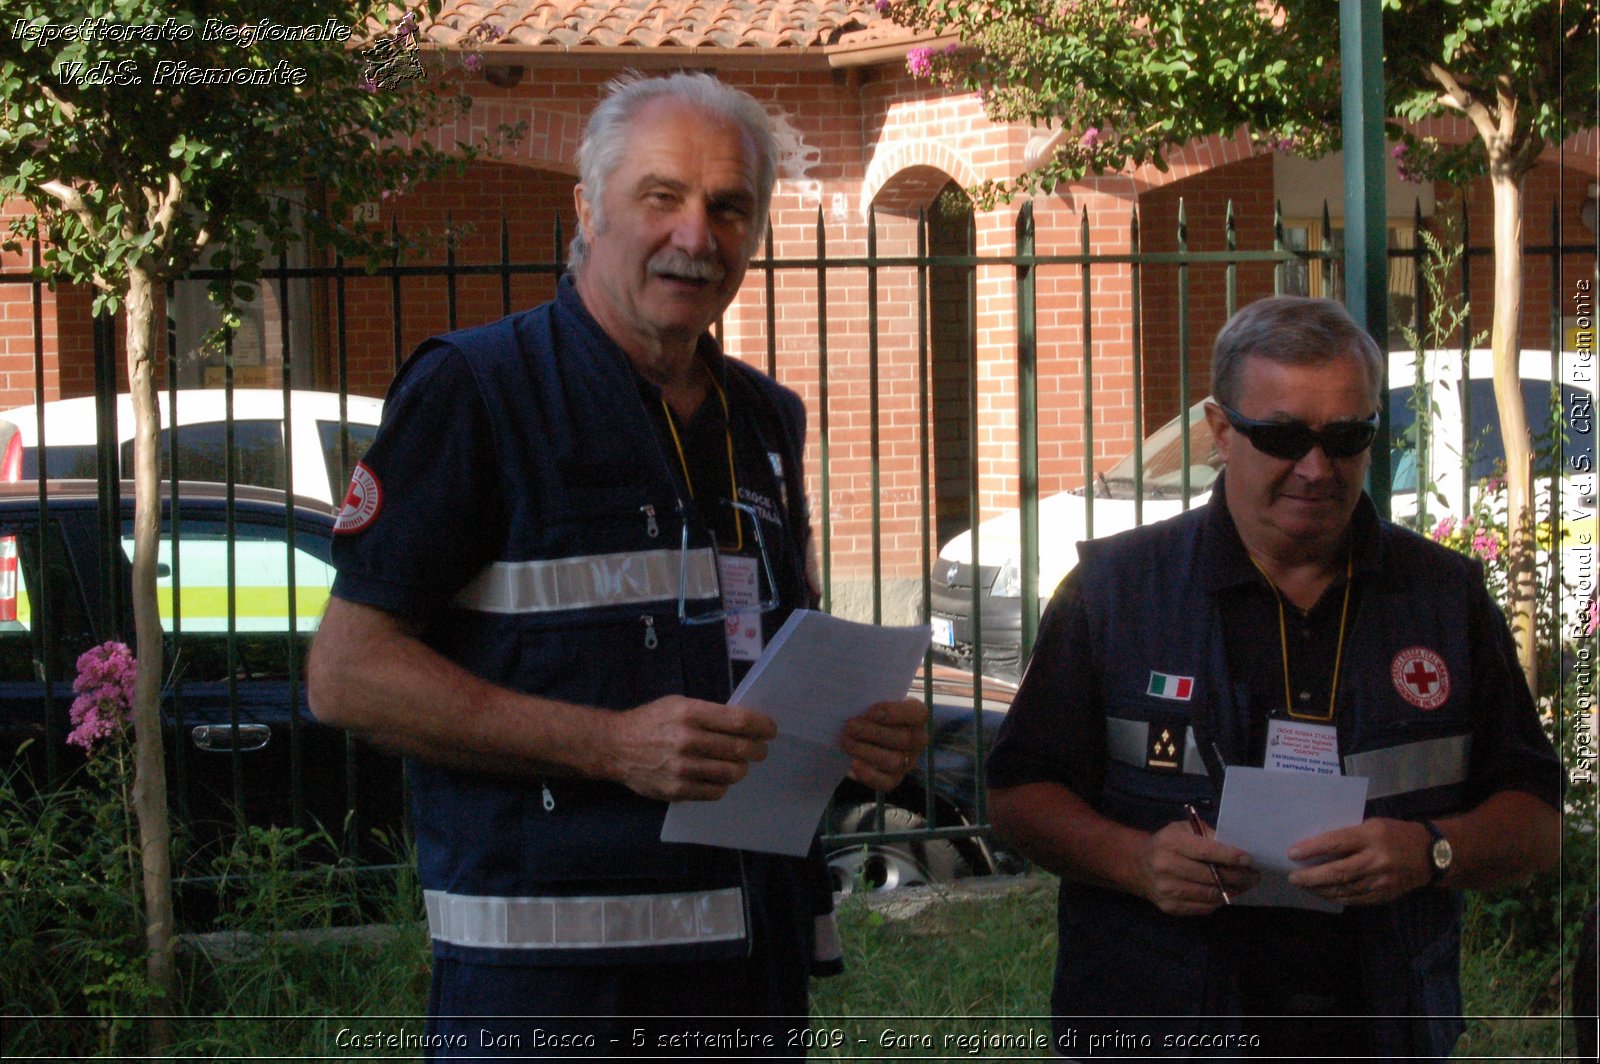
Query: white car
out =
(1064, 518)
(322, 456)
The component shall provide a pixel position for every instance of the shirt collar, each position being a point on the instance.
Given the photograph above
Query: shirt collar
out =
(706, 349)
(1225, 564)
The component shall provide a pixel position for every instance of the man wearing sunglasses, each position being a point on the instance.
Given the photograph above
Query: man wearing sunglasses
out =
(574, 532)
(1282, 625)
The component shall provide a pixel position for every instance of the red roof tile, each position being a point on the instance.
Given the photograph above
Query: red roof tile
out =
(708, 24)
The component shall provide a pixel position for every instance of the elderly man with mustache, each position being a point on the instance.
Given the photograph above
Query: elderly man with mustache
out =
(574, 532)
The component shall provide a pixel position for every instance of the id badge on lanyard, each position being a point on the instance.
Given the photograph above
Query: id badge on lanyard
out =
(741, 599)
(1296, 746)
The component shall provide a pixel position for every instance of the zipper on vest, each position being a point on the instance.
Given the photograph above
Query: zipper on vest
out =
(650, 638)
(651, 528)
(549, 799)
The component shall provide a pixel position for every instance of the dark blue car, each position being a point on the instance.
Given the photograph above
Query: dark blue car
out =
(241, 745)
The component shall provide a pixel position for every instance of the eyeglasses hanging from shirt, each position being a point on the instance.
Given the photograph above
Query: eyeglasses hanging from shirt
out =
(740, 583)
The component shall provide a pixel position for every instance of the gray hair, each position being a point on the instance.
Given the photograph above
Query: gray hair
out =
(605, 140)
(1293, 331)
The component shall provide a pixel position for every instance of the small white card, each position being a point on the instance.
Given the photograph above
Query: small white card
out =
(741, 598)
(1295, 746)
(1264, 813)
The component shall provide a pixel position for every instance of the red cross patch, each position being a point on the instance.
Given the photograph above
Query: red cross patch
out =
(1421, 677)
(361, 503)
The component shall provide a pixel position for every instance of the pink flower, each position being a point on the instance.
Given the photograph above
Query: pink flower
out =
(1593, 624)
(1090, 139)
(919, 61)
(105, 694)
(1443, 529)
(951, 48)
(1485, 545)
(1398, 151)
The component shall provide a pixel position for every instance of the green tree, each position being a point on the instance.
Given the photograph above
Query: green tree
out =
(1129, 80)
(151, 137)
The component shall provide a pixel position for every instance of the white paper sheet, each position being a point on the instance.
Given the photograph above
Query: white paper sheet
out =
(817, 673)
(1265, 812)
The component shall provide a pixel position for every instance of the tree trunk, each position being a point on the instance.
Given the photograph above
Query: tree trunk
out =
(1506, 339)
(149, 781)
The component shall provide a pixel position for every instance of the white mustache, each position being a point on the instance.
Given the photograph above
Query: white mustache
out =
(675, 263)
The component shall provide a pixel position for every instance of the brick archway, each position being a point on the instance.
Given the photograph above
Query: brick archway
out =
(549, 142)
(906, 177)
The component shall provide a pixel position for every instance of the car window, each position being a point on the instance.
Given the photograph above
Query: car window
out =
(1162, 456)
(47, 586)
(258, 456)
(341, 455)
(193, 590)
(1489, 448)
(1402, 451)
(62, 463)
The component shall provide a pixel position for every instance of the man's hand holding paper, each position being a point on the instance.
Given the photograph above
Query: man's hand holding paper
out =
(1370, 863)
(812, 681)
(885, 741)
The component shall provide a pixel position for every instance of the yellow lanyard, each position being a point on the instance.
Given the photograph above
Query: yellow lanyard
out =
(683, 462)
(1283, 643)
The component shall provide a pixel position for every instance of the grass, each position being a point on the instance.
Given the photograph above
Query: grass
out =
(929, 974)
(983, 965)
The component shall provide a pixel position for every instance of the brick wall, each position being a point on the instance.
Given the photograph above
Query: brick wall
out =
(22, 348)
(469, 209)
(1547, 186)
(857, 141)
(1204, 198)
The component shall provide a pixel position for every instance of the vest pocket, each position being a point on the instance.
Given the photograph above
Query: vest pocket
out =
(557, 657)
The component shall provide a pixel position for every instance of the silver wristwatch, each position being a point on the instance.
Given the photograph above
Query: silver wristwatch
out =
(1439, 852)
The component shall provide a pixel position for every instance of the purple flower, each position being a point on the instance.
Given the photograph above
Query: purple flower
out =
(882, 6)
(473, 61)
(1090, 139)
(951, 48)
(105, 694)
(919, 61)
(1398, 151)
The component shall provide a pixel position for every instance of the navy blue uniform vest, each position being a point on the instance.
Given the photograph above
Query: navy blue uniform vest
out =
(581, 604)
(1149, 613)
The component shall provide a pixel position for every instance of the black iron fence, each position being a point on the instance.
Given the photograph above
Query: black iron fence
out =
(236, 683)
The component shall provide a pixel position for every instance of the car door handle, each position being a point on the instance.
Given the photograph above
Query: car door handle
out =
(218, 738)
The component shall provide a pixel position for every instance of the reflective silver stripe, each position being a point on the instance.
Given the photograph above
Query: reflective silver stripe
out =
(586, 923)
(1412, 766)
(592, 580)
(1126, 739)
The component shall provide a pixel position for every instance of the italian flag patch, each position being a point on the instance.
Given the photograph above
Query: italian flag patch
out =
(1174, 688)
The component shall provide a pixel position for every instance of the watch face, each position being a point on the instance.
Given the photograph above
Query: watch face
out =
(1441, 854)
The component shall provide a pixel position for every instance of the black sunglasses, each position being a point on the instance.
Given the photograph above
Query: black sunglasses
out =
(1294, 439)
